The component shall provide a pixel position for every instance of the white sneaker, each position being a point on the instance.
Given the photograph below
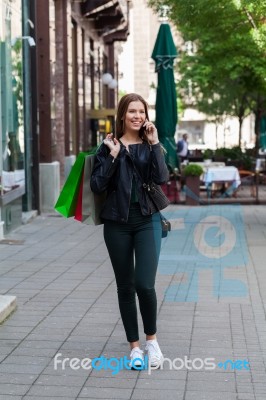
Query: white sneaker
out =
(154, 353)
(137, 358)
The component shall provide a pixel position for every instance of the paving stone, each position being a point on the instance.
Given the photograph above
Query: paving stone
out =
(67, 303)
(33, 352)
(13, 389)
(50, 391)
(27, 360)
(20, 369)
(105, 393)
(209, 386)
(162, 384)
(123, 374)
(40, 344)
(50, 370)
(246, 396)
(17, 379)
(197, 395)
(61, 380)
(44, 398)
(118, 382)
(146, 394)
(212, 376)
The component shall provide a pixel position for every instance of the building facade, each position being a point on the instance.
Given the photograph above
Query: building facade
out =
(54, 100)
(12, 118)
(137, 68)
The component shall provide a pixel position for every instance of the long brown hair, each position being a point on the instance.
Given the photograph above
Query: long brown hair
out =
(122, 109)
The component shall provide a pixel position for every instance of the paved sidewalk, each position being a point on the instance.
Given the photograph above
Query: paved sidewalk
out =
(209, 307)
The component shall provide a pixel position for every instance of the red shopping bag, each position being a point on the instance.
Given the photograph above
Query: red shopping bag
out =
(78, 211)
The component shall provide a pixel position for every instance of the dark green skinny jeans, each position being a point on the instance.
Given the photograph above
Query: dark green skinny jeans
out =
(134, 249)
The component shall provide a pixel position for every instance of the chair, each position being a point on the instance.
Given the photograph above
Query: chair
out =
(262, 177)
(247, 178)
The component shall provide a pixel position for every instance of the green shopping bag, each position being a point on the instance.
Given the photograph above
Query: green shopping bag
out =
(67, 200)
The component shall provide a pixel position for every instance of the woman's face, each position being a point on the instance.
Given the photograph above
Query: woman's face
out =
(135, 116)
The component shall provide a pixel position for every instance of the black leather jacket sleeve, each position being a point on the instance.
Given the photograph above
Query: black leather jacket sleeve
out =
(105, 166)
(159, 170)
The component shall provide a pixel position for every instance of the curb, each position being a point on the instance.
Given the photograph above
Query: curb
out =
(28, 216)
(7, 305)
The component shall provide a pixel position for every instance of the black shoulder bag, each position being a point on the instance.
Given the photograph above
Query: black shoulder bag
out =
(160, 201)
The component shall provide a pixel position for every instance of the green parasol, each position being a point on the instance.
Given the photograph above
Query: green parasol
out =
(263, 133)
(163, 54)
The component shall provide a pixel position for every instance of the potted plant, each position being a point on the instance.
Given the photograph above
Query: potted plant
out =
(208, 154)
(192, 174)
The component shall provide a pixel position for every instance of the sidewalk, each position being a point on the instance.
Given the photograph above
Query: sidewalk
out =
(66, 296)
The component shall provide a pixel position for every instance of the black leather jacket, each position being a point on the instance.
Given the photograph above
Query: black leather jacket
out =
(146, 162)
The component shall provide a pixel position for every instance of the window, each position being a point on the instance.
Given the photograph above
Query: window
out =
(12, 173)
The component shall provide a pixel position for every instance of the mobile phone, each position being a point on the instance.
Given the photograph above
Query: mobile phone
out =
(142, 130)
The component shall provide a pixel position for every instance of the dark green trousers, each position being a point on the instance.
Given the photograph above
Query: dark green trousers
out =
(134, 249)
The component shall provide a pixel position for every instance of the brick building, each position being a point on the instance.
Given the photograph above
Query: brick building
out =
(66, 47)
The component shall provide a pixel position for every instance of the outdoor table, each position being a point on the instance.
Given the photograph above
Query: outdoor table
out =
(222, 175)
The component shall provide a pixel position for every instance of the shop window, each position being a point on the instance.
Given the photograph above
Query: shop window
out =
(12, 173)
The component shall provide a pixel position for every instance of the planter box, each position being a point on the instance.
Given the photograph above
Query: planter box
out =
(192, 190)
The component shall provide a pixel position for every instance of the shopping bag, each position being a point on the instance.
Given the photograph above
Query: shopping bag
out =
(67, 200)
(92, 203)
(78, 211)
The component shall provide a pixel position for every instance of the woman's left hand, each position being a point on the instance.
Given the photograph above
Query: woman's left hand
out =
(151, 132)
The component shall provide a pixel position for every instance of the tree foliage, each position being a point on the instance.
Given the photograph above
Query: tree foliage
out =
(227, 71)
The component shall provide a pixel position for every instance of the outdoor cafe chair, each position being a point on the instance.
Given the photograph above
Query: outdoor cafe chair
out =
(247, 178)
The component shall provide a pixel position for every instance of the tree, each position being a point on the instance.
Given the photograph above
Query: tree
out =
(229, 63)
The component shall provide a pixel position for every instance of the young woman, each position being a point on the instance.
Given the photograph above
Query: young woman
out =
(132, 225)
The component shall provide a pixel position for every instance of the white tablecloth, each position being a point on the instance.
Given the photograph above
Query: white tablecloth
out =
(222, 174)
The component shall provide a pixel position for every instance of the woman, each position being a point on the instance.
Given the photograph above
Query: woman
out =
(132, 225)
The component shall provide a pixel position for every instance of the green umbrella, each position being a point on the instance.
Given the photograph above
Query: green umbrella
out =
(263, 133)
(163, 54)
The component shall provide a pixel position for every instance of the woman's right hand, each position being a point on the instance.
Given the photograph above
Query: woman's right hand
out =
(113, 144)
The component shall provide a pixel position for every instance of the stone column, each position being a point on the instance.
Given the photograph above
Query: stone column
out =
(44, 79)
(61, 85)
(111, 69)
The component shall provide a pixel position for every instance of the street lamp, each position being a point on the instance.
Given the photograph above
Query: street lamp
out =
(30, 40)
(107, 78)
(113, 84)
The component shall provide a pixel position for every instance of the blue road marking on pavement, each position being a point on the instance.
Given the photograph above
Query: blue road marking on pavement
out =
(205, 238)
